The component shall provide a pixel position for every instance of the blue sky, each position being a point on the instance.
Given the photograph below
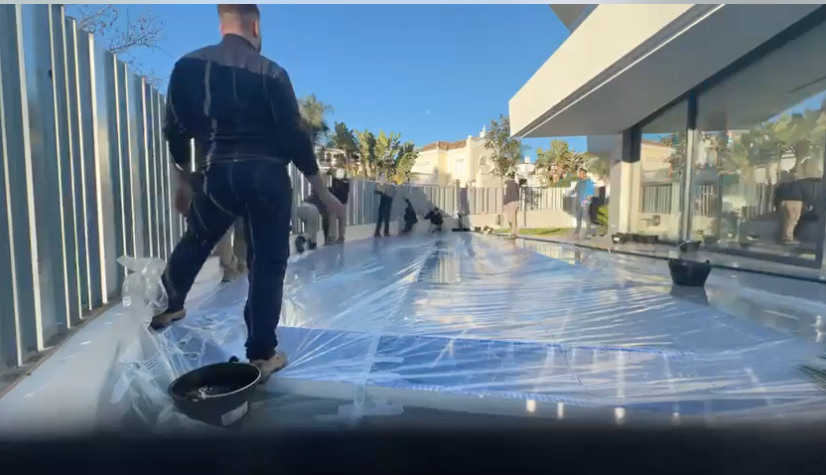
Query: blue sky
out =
(430, 72)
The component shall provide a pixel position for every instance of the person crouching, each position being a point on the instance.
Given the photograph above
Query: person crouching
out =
(436, 220)
(410, 218)
(310, 213)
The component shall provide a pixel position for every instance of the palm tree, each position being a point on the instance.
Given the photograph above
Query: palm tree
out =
(405, 159)
(505, 151)
(677, 159)
(802, 134)
(312, 114)
(367, 151)
(386, 147)
(345, 140)
(598, 166)
(559, 161)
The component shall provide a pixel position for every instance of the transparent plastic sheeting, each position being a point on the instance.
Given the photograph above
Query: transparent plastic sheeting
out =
(481, 324)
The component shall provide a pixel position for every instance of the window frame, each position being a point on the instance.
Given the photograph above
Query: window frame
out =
(779, 41)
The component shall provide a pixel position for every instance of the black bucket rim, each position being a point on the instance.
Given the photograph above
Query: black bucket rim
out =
(686, 262)
(217, 396)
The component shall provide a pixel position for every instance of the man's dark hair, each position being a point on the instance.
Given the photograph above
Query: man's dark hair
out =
(239, 10)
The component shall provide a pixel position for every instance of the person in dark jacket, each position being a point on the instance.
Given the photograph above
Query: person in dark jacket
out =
(810, 194)
(242, 110)
(788, 198)
(410, 217)
(436, 220)
(334, 232)
(385, 206)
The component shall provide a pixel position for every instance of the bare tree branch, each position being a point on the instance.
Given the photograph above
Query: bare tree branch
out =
(121, 32)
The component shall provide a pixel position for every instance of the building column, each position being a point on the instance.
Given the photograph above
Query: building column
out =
(622, 184)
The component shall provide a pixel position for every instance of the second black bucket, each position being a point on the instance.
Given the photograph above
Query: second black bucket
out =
(649, 238)
(217, 394)
(689, 273)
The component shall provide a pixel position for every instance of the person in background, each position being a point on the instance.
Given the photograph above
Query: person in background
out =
(340, 189)
(436, 220)
(232, 252)
(464, 207)
(788, 208)
(410, 217)
(241, 108)
(809, 186)
(385, 206)
(583, 193)
(311, 213)
(510, 203)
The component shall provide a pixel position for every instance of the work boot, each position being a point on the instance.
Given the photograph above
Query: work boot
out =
(159, 322)
(299, 244)
(270, 366)
(311, 245)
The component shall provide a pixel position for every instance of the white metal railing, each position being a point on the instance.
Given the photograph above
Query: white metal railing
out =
(84, 177)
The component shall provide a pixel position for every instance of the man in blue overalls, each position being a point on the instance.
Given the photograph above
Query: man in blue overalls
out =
(583, 193)
(241, 108)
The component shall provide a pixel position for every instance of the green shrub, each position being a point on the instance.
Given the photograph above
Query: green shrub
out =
(602, 216)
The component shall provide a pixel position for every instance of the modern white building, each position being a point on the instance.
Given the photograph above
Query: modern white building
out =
(703, 110)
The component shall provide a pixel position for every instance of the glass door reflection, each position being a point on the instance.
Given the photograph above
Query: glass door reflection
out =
(758, 166)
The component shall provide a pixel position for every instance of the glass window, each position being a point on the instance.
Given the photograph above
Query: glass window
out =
(659, 175)
(759, 164)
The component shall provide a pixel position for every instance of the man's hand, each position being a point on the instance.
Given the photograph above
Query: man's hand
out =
(333, 205)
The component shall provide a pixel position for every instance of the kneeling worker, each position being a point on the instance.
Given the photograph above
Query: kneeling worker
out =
(436, 221)
(311, 213)
(410, 218)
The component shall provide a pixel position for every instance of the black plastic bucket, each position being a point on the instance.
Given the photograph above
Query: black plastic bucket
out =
(619, 238)
(217, 394)
(689, 273)
(649, 238)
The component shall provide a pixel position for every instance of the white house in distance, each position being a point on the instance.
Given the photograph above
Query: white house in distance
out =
(328, 157)
(527, 170)
(444, 163)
